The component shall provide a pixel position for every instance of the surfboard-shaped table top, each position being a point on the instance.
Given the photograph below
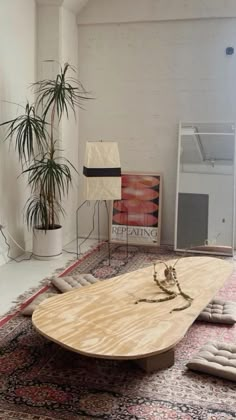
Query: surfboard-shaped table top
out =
(103, 320)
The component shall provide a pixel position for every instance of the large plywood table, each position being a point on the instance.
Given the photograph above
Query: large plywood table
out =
(102, 320)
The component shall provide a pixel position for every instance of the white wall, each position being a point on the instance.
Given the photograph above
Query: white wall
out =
(48, 39)
(147, 76)
(70, 128)
(17, 71)
(219, 188)
(58, 40)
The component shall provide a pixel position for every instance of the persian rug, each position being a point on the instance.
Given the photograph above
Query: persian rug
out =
(40, 380)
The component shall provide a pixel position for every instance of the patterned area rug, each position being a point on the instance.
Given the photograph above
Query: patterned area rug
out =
(40, 380)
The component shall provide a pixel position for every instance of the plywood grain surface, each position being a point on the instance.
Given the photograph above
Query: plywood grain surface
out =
(102, 320)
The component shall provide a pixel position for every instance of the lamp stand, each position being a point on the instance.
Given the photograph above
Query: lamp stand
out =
(97, 204)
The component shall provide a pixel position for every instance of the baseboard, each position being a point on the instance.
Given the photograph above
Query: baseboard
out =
(3, 258)
(71, 236)
(14, 253)
(168, 246)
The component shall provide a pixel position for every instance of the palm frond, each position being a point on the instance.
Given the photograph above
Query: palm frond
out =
(64, 93)
(29, 132)
(49, 175)
(38, 212)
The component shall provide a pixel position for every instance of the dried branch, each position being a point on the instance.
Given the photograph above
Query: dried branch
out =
(170, 280)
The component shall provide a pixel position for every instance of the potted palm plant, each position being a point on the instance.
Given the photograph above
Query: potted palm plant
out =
(49, 173)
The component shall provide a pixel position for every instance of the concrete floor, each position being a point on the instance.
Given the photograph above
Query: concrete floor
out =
(17, 278)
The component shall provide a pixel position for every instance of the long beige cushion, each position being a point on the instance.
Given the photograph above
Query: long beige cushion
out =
(67, 283)
(218, 359)
(219, 311)
(29, 309)
(63, 284)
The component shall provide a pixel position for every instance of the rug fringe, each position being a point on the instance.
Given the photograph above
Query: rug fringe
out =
(44, 285)
(27, 297)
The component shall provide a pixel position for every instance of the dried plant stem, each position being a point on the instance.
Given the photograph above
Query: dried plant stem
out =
(156, 300)
(170, 274)
(181, 308)
(185, 296)
(163, 288)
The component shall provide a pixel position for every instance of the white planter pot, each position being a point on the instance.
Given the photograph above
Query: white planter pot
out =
(47, 245)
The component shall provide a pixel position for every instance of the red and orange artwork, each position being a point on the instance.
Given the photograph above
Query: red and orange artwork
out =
(137, 214)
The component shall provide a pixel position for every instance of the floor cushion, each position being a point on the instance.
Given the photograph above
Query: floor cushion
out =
(218, 359)
(62, 284)
(29, 309)
(219, 311)
(67, 283)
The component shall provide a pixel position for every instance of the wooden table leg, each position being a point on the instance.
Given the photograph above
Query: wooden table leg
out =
(157, 362)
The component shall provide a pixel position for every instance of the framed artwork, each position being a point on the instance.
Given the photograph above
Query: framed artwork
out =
(136, 218)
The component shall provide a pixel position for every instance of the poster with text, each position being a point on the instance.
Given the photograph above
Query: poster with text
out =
(136, 218)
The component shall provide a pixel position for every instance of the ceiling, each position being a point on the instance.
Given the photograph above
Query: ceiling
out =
(75, 5)
(206, 143)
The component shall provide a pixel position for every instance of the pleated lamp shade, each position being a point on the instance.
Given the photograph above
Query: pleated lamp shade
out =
(102, 172)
